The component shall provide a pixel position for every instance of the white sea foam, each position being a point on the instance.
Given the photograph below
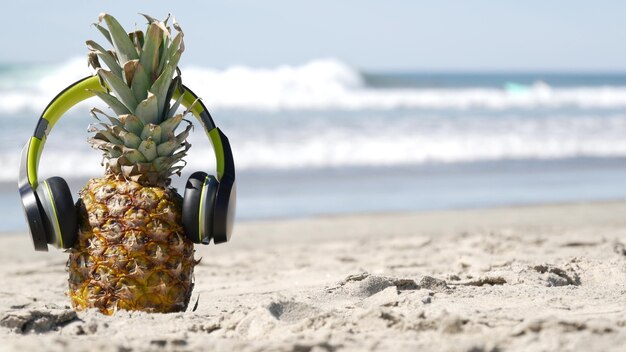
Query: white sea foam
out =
(31, 91)
(374, 142)
(318, 85)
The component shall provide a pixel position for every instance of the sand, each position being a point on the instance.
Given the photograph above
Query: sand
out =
(545, 278)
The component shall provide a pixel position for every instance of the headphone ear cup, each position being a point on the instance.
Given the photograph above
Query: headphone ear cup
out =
(198, 206)
(60, 219)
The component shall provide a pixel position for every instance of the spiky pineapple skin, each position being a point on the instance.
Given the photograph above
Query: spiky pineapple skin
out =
(131, 251)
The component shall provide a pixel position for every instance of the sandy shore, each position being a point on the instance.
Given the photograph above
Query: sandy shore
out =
(549, 278)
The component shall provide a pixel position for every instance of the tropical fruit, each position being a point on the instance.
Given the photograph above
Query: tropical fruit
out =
(131, 251)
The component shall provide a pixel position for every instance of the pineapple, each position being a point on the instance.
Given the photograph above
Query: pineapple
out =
(131, 251)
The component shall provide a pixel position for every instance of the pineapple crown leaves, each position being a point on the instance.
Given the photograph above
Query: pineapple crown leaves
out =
(137, 66)
(143, 153)
(140, 143)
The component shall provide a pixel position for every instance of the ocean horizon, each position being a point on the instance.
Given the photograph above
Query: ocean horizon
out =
(325, 138)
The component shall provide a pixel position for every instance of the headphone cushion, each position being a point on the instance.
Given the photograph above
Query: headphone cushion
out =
(60, 219)
(198, 206)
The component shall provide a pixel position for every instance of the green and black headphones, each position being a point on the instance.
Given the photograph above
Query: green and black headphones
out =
(208, 203)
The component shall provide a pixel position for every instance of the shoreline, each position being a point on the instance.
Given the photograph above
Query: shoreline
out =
(460, 211)
(548, 277)
(309, 193)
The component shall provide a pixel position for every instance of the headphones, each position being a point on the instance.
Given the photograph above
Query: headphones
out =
(208, 204)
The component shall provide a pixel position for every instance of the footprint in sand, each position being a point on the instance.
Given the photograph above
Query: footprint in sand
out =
(37, 320)
(263, 320)
(291, 311)
(365, 285)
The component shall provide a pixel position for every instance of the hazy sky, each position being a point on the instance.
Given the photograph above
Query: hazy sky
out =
(374, 35)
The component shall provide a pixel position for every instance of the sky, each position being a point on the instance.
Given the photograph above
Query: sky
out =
(389, 35)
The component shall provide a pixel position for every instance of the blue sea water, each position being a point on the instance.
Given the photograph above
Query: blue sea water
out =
(327, 138)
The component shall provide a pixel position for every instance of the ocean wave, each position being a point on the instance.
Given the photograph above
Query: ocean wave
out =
(372, 143)
(318, 85)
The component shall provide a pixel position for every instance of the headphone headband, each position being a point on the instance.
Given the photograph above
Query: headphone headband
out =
(208, 209)
(84, 89)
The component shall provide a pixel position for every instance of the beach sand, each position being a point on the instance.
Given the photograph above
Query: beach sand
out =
(544, 278)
